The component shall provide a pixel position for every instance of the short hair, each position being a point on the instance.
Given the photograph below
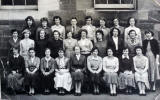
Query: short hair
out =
(88, 17)
(74, 18)
(60, 49)
(132, 31)
(31, 18)
(94, 48)
(83, 30)
(44, 19)
(56, 31)
(130, 19)
(57, 17)
(138, 47)
(115, 18)
(14, 30)
(25, 31)
(102, 19)
(78, 47)
(16, 48)
(119, 32)
(125, 48)
(149, 31)
(31, 49)
(101, 32)
(47, 49)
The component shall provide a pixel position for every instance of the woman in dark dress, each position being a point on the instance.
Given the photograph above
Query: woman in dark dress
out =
(94, 65)
(115, 42)
(16, 71)
(47, 69)
(151, 50)
(78, 66)
(41, 44)
(32, 67)
(126, 72)
(101, 43)
(14, 41)
(55, 43)
(30, 25)
(44, 24)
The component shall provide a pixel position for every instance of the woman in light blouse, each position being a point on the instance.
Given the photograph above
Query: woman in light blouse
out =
(63, 80)
(32, 67)
(111, 67)
(47, 69)
(94, 65)
(141, 66)
(26, 43)
(85, 43)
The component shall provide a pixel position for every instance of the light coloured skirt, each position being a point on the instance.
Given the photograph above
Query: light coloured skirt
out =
(110, 78)
(142, 78)
(15, 81)
(63, 81)
(125, 80)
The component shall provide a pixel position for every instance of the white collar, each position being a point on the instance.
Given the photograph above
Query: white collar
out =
(150, 38)
(47, 59)
(16, 56)
(125, 57)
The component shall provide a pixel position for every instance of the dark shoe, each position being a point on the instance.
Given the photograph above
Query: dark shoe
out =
(75, 94)
(79, 94)
(111, 94)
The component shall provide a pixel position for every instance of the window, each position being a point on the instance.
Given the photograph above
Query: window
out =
(19, 4)
(115, 4)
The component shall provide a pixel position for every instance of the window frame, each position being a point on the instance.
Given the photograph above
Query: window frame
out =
(18, 7)
(116, 6)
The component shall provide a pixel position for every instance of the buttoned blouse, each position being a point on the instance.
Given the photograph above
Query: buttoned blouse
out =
(62, 63)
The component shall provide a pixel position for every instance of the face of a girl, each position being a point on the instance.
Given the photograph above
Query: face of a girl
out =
(69, 35)
(132, 35)
(116, 22)
(29, 22)
(77, 50)
(83, 34)
(125, 52)
(61, 54)
(102, 22)
(115, 33)
(138, 51)
(99, 36)
(132, 21)
(149, 35)
(44, 23)
(26, 35)
(15, 34)
(95, 52)
(88, 21)
(56, 35)
(57, 21)
(42, 33)
(110, 52)
(47, 52)
(32, 53)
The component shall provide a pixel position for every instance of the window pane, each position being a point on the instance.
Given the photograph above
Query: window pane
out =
(101, 1)
(6, 2)
(19, 2)
(127, 1)
(113, 1)
(32, 2)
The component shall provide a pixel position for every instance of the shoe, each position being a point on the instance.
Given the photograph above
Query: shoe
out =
(79, 94)
(75, 94)
(111, 94)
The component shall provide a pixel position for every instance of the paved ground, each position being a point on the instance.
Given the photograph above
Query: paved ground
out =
(150, 96)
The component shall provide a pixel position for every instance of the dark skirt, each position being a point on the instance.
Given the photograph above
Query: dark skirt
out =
(31, 80)
(47, 81)
(15, 81)
(77, 76)
(95, 78)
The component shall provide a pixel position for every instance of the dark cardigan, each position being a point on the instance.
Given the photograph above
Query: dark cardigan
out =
(154, 46)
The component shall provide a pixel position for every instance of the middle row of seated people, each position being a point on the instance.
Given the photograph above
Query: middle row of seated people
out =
(124, 72)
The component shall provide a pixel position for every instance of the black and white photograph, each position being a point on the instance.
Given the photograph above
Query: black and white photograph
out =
(79, 49)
